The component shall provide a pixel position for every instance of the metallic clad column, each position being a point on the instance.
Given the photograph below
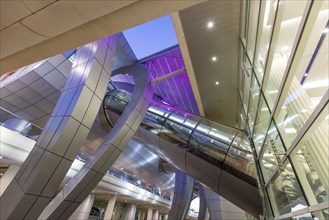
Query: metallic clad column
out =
(70, 197)
(184, 186)
(213, 204)
(7, 177)
(129, 212)
(149, 213)
(47, 164)
(110, 207)
(202, 204)
(83, 211)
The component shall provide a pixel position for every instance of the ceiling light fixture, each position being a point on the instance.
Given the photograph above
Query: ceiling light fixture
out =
(210, 24)
(217, 83)
(214, 58)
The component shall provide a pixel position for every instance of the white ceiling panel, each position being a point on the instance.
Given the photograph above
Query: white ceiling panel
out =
(65, 15)
(37, 5)
(12, 11)
(17, 37)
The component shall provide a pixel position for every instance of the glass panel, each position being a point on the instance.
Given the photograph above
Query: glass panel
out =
(252, 29)
(308, 85)
(265, 30)
(305, 216)
(261, 125)
(322, 214)
(253, 102)
(240, 160)
(310, 159)
(288, 19)
(273, 151)
(285, 193)
(246, 68)
(211, 141)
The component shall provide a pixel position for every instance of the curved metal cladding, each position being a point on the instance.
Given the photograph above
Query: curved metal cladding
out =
(215, 154)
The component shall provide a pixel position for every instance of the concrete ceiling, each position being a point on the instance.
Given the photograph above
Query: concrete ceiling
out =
(33, 30)
(219, 102)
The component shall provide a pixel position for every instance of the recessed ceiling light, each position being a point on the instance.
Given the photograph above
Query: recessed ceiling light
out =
(121, 168)
(210, 24)
(214, 58)
(217, 83)
(1, 174)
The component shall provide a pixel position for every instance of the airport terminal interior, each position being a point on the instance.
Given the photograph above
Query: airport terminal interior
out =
(164, 110)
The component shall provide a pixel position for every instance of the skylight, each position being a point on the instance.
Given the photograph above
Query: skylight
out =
(151, 37)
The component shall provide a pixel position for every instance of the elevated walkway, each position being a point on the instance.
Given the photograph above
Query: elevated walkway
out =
(215, 154)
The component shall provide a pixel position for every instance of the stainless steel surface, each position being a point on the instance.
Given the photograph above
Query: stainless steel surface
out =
(194, 144)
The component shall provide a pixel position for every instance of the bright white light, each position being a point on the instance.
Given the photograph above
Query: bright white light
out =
(195, 204)
(326, 30)
(214, 58)
(217, 83)
(290, 130)
(285, 48)
(305, 74)
(316, 84)
(210, 24)
(268, 165)
(272, 92)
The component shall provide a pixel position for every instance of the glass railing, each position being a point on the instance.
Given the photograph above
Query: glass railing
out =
(218, 144)
(120, 174)
(15, 123)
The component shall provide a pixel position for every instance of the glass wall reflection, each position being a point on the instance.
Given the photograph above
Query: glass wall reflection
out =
(310, 157)
(288, 21)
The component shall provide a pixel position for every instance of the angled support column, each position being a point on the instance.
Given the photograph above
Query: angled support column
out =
(7, 177)
(184, 186)
(38, 179)
(213, 204)
(77, 189)
(202, 204)
(83, 211)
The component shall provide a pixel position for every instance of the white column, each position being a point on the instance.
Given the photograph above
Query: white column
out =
(110, 207)
(165, 217)
(149, 213)
(129, 212)
(83, 211)
(155, 214)
(160, 216)
(7, 177)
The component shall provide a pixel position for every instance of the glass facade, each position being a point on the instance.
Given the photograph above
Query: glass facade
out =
(284, 90)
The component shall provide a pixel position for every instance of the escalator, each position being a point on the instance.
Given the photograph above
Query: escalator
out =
(217, 155)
